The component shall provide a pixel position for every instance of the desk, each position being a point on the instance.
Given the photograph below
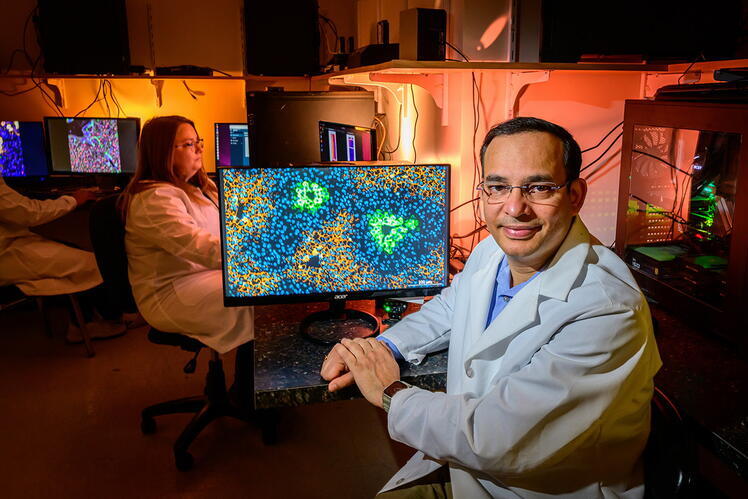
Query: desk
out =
(708, 380)
(287, 365)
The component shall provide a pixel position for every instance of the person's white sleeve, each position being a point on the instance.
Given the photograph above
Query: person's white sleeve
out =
(538, 415)
(427, 330)
(16, 209)
(160, 217)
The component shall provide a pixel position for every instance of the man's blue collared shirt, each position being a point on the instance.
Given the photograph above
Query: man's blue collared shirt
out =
(502, 290)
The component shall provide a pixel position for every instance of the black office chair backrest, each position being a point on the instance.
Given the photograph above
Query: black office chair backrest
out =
(670, 458)
(108, 240)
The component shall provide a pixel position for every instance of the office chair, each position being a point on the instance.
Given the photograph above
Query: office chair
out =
(670, 457)
(108, 240)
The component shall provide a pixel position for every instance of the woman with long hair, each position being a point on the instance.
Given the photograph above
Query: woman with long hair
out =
(170, 210)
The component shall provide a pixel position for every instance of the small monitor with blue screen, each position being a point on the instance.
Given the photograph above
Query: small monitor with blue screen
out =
(232, 144)
(22, 152)
(317, 233)
(93, 145)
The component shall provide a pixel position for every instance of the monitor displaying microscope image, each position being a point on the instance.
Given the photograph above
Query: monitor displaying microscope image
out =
(22, 152)
(93, 145)
(315, 233)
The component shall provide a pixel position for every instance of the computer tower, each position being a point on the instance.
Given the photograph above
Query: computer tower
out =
(423, 34)
(84, 36)
(282, 37)
(284, 126)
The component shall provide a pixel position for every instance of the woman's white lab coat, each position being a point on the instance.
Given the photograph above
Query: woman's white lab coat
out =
(552, 399)
(174, 254)
(38, 266)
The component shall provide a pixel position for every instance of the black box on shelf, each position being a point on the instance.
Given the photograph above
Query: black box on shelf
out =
(423, 34)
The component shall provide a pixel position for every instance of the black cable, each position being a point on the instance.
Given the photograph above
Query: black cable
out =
(45, 95)
(471, 233)
(603, 139)
(700, 56)
(96, 99)
(222, 72)
(189, 90)
(476, 100)
(114, 98)
(463, 204)
(663, 161)
(600, 157)
(334, 30)
(415, 125)
(20, 92)
(458, 51)
(399, 126)
(48, 99)
(22, 50)
(106, 101)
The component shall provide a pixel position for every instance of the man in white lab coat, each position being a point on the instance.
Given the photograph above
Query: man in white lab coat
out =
(39, 266)
(551, 350)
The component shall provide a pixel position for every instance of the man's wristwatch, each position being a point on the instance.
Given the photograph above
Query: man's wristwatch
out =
(390, 391)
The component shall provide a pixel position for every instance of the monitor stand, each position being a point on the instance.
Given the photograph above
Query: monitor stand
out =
(328, 327)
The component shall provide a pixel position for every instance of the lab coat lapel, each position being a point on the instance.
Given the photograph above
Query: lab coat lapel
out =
(520, 312)
(481, 291)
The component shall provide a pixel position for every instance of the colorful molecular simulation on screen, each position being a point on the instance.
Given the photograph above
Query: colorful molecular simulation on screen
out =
(94, 145)
(310, 230)
(11, 150)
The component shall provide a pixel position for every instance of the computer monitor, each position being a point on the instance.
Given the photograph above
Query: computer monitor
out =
(338, 142)
(93, 145)
(284, 126)
(232, 144)
(333, 232)
(22, 152)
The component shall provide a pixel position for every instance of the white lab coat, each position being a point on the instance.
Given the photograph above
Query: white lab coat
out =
(174, 255)
(552, 399)
(38, 266)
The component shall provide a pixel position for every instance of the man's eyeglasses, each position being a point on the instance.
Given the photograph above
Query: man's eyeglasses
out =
(192, 143)
(535, 192)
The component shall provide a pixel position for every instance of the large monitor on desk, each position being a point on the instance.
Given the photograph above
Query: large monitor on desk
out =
(22, 152)
(93, 145)
(331, 233)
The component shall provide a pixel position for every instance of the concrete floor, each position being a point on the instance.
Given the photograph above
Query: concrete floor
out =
(69, 427)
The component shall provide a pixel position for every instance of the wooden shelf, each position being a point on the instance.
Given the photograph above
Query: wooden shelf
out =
(151, 77)
(414, 67)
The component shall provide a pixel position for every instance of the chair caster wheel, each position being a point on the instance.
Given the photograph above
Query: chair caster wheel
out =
(183, 460)
(148, 426)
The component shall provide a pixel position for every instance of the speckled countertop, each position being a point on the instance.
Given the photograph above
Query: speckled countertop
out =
(707, 378)
(287, 364)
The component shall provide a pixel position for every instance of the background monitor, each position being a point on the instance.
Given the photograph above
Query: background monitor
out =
(22, 152)
(93, 145)
(338, 142)
(232, 144)
(284, 126)
(315, 233)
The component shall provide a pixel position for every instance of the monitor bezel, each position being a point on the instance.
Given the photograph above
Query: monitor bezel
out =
(47, 161)
(48, 142)
(215, 142)
(239, 301)
(372, 130)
